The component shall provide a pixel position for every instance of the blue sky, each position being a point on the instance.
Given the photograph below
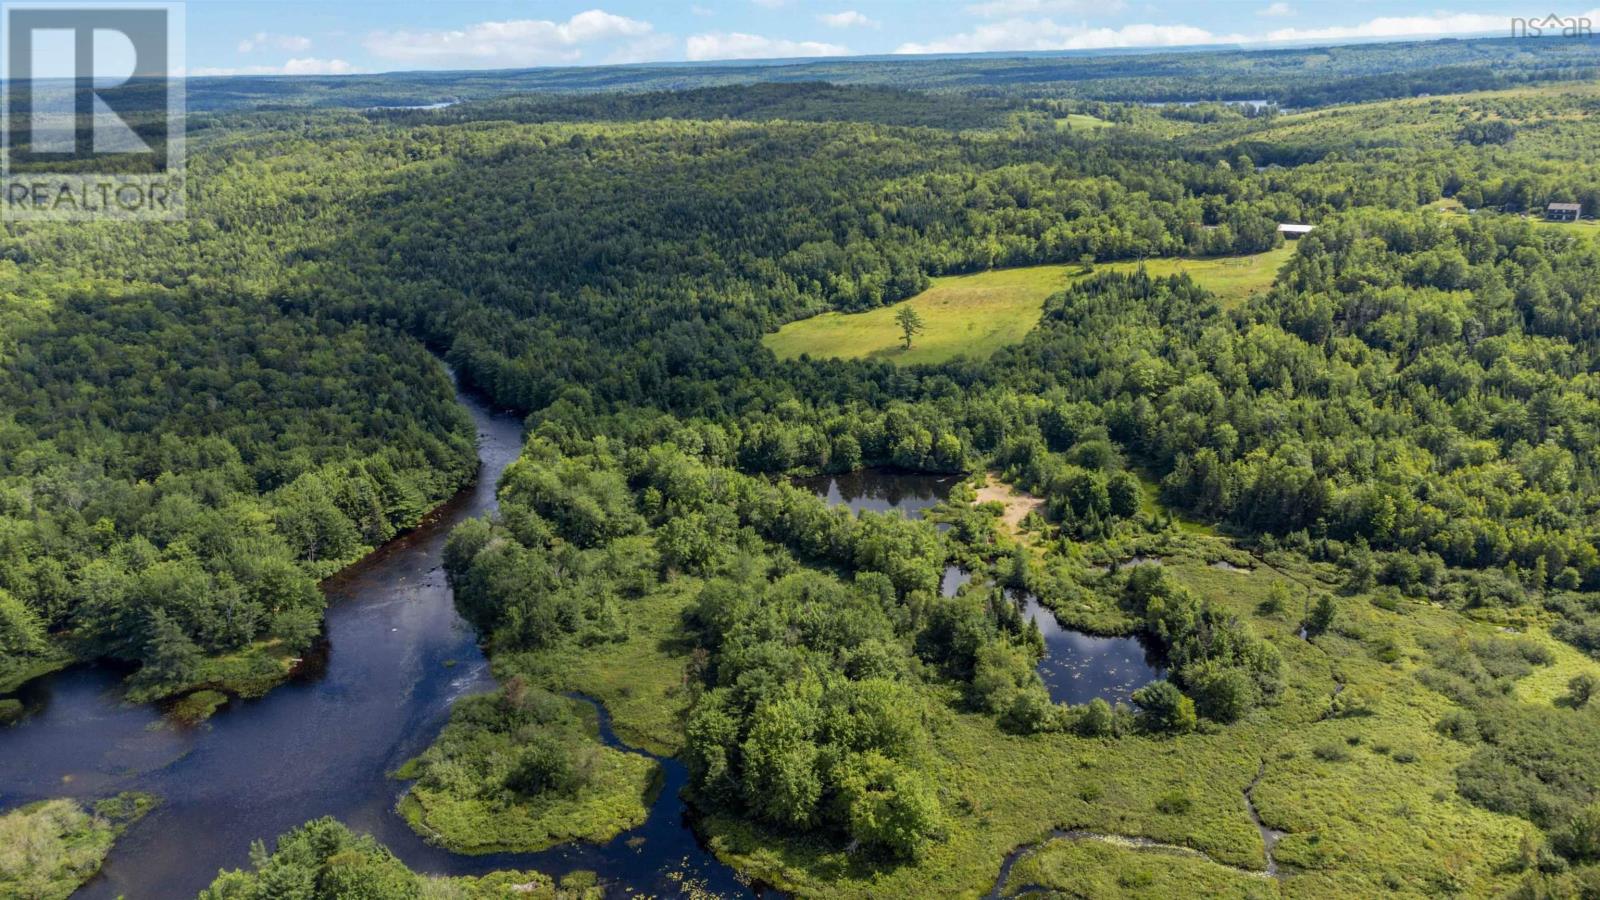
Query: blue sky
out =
(335, 36)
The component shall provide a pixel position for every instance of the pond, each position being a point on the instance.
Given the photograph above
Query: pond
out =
(1079, 667)
(1076, 667)
(397, 655)
(880, 490)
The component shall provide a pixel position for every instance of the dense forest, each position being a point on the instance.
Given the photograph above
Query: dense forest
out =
(1355, 516)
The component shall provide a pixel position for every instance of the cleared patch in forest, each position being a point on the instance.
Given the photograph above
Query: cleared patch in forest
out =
(975, 315)
(1016, 504)
(1082, 123)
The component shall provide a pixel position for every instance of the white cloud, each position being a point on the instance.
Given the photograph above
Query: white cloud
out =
(736, 45)
(1044, 34)
(650, 48)
(517, 42)
(995, 9)
(297, 66)
(701, 11)
(1401, 26)
(847, 19)
(266, 40)
(1278, 10)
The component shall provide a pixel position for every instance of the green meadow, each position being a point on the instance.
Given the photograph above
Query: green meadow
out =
(1082, 123)
(975, 315)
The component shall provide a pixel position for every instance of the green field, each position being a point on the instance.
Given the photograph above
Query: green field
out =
(974, 315)
(1081, 123)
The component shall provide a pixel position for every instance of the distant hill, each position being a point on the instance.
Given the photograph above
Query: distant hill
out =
(1290, 77)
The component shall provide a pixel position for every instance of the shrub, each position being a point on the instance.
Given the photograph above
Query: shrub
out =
(1330, 753)
(1163, 707)
(1580, 841)
(1460, 725)
(1580, 689)
(1096, 720)
(545, 765)
(1221, 693)
(1320, 619)
(1175, 802)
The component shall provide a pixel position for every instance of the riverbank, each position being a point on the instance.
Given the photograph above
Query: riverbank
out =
(321, 741)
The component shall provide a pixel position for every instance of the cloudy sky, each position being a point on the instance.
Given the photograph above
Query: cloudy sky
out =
(337, 36)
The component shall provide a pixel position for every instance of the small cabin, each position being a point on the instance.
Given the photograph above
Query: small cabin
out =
(1563, 212)
(1293, 232)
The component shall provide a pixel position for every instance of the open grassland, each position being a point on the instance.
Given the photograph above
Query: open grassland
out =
(1081, 123)
(975, 315)
(1101, 869)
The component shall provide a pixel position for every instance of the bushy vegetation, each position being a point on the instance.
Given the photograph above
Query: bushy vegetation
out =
(49, 849)
(323, 860)
(518, 771)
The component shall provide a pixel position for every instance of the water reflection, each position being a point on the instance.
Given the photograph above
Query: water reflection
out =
(881, 490)
(397, 656)
(1079, 667)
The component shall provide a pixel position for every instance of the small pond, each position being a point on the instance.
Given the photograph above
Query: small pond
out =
(1077, 667)
(881, 490)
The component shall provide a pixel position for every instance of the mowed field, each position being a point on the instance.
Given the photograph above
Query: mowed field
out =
(1081, 123)
(974, 315)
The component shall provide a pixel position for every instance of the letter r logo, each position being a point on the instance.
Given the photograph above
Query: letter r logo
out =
(88, 82)
(91, 96)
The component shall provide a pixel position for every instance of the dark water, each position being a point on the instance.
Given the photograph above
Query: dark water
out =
(397, 656)
(882, 489)
(1079, 667)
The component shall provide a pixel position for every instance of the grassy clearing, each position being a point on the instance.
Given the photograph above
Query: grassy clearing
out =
(975, 315)
(1082, 123)
(1585, 227)
(617, 799)
(49, 849)
(1548, 684)
(1085, 868)
(1150, 505)
(1015, 504)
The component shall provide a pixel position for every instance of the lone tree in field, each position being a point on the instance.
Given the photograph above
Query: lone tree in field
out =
(910, 323)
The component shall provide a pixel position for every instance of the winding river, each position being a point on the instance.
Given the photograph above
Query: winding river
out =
(396, 656)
